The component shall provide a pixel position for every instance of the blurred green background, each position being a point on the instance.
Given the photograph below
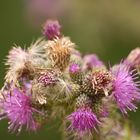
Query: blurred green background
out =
(110, 28)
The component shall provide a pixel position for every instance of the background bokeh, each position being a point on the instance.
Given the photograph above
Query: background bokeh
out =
(110, 28)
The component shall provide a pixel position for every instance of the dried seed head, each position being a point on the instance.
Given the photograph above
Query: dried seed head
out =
(102, 81)
(39, 93)
(18, 64)
(37, 48)
(98, 81)
(17, 57)
(37, 53)
(59, 52)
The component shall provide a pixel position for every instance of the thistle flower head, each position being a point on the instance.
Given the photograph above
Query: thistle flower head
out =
(48, 78)
(74, 68)
(98, 81)
(125, 89)
(17, 62)
(46, 81)
(59, 52)
(91, 61)
(83, 121)
(37, 48)
(52, 29)
(17, 56)
(39, 93)
(17, 108)
(102, 81)
(133, 58)
(37, 53)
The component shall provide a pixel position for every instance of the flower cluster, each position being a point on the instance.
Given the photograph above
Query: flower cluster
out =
(52, 79)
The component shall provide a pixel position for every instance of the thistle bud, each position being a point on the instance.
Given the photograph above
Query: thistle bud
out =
(133, 59)
(51, 29)
(91, 61)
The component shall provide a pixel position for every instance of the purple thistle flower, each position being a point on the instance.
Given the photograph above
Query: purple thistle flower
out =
(52, 29)
(83, 121)
(17, 108)
(90, 61)
(125, 90)
(74, 68)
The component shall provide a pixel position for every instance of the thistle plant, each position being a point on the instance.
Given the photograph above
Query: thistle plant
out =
(51, 79)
